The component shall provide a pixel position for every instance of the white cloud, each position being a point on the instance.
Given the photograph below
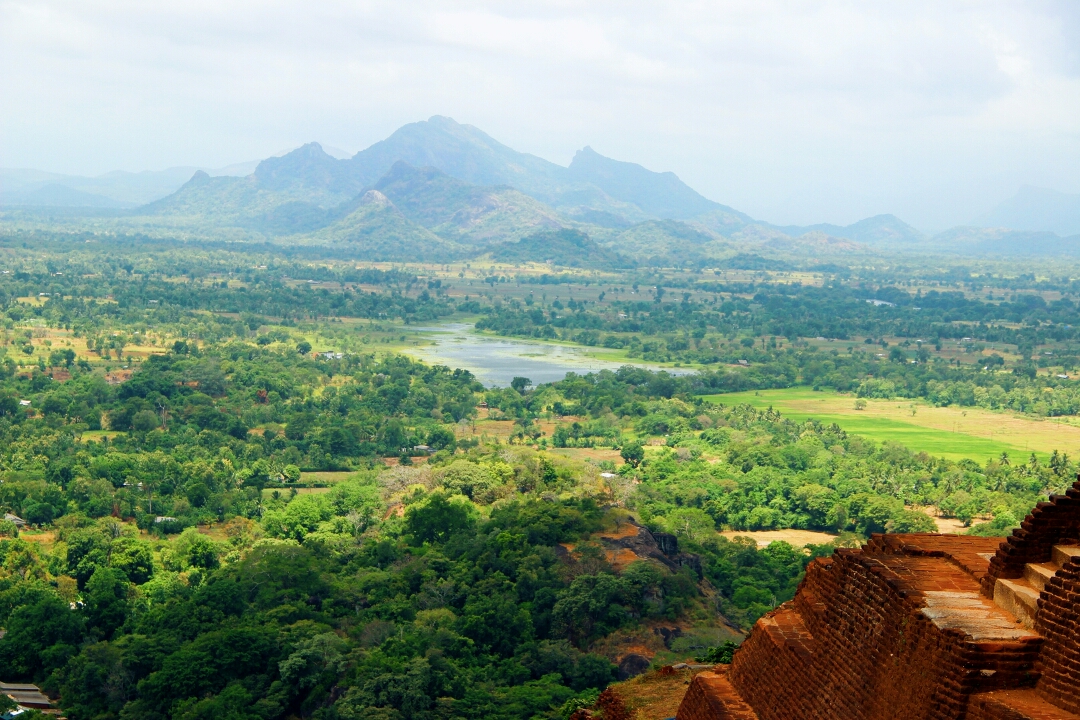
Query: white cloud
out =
(796, 111)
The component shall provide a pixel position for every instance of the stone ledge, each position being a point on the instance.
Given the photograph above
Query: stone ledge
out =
(1014, 705)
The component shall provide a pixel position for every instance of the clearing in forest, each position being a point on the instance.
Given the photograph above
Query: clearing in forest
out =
(951, 432)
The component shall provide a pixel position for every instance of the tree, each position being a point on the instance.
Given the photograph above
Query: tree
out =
(633, 453)
(106, 601)
(1002, 524)
(87, 549)
(437, 518)
(41, 635)
(300, 517)
(303, 347)
(441, 438)
(493, 618)
(134, 558)
(910, 521)
(193, 549)
(520, 384)
(144, 420)
(693, 524)
(467, 478)
(593, 606)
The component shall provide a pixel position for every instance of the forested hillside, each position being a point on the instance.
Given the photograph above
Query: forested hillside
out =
(230, 493)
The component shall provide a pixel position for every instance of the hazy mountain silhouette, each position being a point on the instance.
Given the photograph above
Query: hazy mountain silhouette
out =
(662, 195)
(460, 185)
(1005, 242)
(880, 230)
(57, 195)
(120, 188)
(461, 151)
(310, 174)
(1036, 210)
(458, 190)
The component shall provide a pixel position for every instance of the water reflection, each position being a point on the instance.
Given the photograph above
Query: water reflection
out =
(496, 361)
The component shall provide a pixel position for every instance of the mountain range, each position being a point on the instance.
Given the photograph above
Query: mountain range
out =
(440, 189)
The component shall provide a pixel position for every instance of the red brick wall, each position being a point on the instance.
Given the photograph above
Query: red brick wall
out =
(711, 697)
(868, 653)
(855, 643)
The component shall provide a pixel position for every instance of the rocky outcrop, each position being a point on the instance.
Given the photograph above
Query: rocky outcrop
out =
(662, 547)
(633, 665)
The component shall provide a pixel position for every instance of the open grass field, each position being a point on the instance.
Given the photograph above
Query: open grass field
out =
(587, 454)
(798, 538)
(326, 476)
(655, 695)
(949, 432)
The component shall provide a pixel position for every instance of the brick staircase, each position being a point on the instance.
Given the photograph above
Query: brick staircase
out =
(1020, 596)
(1022, 704)
(920, 626)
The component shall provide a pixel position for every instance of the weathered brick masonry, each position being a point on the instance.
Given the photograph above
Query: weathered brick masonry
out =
(919, 626)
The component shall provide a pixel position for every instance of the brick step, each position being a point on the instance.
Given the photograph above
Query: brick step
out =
(1015, 705)
(1063, 554)
(1019, 598)
(1038, 574)
(976, 617)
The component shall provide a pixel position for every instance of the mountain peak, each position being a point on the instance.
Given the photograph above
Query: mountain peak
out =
(444, 120)
(309, 172)
(375, 198)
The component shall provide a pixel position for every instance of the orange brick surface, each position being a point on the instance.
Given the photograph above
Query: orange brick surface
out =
(711, 697)
(905, 628)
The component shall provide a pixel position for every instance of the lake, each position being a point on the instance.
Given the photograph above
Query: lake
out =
(496, 361)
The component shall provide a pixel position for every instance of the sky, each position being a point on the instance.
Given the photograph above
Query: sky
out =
(793, 112)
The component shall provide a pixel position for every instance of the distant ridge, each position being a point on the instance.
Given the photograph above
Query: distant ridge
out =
(1005, 242)
(1036, 210)
(464, 187)
(879, 230)
(123, 189)
(569, 248)
(57, 195)
(449, 189)
(309, 173)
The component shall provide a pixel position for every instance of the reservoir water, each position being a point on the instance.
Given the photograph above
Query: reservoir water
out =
(496, 361)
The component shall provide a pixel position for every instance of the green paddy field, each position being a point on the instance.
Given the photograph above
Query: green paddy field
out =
(950, 432)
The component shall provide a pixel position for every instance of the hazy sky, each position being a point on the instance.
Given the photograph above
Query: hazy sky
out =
(790, 111)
